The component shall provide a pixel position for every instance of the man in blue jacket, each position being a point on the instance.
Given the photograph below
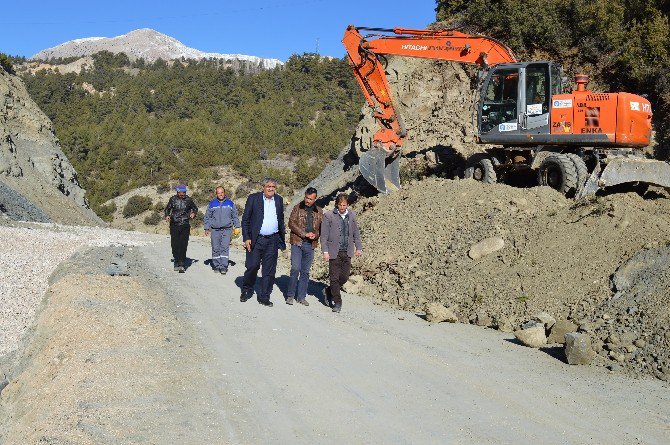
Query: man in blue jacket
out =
(263, 234)
(220, 220)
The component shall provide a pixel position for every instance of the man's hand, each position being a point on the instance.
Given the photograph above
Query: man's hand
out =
(206, 232)
(359, 253)
(326, 256)
(310, 235)
(247, 245)
(192, 215)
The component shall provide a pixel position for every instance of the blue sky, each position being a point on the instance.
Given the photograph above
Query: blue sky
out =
(263, 28)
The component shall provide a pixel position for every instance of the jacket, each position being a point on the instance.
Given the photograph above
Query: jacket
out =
(252, 218)
(221, 215)
(330, 234)
(179, 210)
(298, 221)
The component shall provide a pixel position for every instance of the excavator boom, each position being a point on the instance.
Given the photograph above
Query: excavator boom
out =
(379, 165)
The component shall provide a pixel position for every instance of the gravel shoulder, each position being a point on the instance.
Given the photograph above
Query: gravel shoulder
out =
(100, 369)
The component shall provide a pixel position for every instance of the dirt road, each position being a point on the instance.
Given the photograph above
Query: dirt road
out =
(160, 357)
(295, 374)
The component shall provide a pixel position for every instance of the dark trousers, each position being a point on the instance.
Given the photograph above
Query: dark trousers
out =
(301, 261)
(263, 252)
(338, 269)
(179, 238)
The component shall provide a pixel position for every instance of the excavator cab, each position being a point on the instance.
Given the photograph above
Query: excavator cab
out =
(515, 102)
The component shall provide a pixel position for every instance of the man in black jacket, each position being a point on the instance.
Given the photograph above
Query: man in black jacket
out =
(263, 234)
(179, 211)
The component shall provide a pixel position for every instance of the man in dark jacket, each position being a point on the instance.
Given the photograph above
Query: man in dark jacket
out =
(340, 241)
(220, 221)
(179, 211)
(305, 226)
(263, 234)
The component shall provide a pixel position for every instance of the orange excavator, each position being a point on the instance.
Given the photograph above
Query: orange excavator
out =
(577, 142)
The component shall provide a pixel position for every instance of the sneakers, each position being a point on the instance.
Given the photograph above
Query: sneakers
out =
(181, 269)
(267, 303)
(337, 308)
(223, 271)
(289, 300)
(303, 302)
(245, 296)
(176, 268)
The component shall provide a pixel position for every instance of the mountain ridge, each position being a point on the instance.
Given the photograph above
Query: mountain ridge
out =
(144, 43)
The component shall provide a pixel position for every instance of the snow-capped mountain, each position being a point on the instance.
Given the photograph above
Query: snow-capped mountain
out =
(144, 43)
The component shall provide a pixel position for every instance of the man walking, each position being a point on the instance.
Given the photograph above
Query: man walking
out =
(305, 226)
(263, 234)
(220, 220)
(179, 211)
(340, 241)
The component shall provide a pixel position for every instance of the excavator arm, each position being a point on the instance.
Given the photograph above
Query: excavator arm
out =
(380, 165)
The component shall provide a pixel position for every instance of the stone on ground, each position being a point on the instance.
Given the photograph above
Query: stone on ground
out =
(578, 349)
(486, 247)
(559, 329)
(436, 313)
(533, 337)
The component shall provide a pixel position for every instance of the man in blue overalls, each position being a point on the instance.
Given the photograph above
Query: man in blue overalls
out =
(220, 220)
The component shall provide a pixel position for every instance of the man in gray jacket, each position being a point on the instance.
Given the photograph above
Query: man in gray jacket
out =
(220, 220)
(340, 241)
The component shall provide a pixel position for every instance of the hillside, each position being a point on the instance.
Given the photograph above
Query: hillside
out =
(37, 182)
(124, 130)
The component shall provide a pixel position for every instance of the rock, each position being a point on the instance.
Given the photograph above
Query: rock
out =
(617, 356)
(486, 247)
(614, 367)
(529, 324)
(504, 324)
(559, 329)
(484, 320)
(436, 313)
(546, 319)
(613, 339)
(533, 337)
(578, 349)
(118, 268)
(354, 284)
(640, 343)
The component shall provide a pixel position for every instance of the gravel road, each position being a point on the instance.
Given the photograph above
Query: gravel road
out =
(161, 357)
(376, 375)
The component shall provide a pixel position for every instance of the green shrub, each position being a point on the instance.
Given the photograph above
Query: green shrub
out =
(6, 64)
(153, 219)
(163, 187)
(106, 212)
(136, 205)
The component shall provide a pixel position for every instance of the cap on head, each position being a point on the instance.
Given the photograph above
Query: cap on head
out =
(181, 188)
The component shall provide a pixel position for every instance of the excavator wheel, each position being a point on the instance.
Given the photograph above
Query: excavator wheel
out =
(580, 167)
(558, 171)
(482, 170)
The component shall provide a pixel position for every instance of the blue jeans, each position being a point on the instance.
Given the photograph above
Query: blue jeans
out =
(301, 261)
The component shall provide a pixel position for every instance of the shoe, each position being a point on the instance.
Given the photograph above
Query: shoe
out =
(176, 268)
(181, 269)
(337, 308)
(267, 303)
(216, 270)
(223, 271)
(289, 300)
(245, 296)
(303, 302)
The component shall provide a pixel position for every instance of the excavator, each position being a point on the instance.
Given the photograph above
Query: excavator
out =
(577, 142)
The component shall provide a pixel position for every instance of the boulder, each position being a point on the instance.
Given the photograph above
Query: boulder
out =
(533, 337)
(578, 349)
(486, 247)
(436, 313)
(559, 329)
(546, 319)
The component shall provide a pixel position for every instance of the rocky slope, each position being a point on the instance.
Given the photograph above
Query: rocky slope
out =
(37, 182)
(146, 44)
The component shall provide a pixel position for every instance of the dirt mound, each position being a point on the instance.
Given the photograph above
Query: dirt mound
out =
(558, 256)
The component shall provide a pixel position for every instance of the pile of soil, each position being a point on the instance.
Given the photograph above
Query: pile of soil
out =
(559, 256)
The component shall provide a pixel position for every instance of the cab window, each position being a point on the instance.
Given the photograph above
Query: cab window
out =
(500, 99)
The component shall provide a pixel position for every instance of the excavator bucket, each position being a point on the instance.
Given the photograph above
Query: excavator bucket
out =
(627, 170)
(379, 170)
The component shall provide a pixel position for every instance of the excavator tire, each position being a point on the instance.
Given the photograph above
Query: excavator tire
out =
(559, 172)
(580, 167)
(482, 170)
